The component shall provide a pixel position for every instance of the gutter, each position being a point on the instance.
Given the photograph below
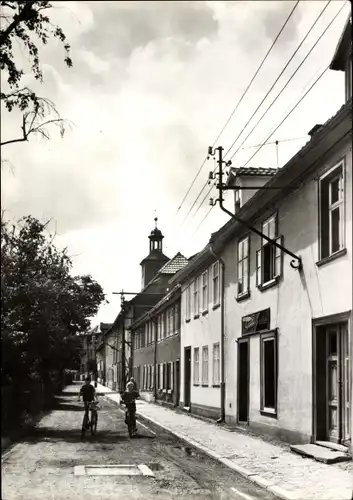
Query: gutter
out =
(223, 387)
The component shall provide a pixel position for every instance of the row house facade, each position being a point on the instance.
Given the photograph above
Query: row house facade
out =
(156, 345)
(286, 330)
(284, 362)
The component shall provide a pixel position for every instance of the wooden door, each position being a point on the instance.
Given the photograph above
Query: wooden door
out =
(243, 381)
(187, 376)
(333, 383)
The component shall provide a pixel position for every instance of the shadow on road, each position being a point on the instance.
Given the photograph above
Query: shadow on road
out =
(74, 436)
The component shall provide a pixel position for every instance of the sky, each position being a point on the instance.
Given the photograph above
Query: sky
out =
(151, 87)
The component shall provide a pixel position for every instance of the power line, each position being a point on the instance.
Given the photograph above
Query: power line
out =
(238, 104)
(288, 81)
(257, 123)
(263, 144)
(288, 114)
(279, 76)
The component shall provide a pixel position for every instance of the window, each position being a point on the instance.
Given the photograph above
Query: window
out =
(171, 320)
(162, 326)
(196, 365)
(205, 365)
(243, 266)
(177, 317)
(204, 299)
(147, 334)
(165, 329)
(160, 376)
(268, 373)
(196, 297)
(159, 327)
(269, 257)
(215, 283)
(216, 365)
(188, 303)
(331, 211)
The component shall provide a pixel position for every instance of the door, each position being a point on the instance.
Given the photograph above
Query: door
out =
(187, 376)
(243, 380)
(338, 405)
(177, 382)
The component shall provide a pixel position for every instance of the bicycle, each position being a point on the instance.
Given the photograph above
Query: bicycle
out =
(130, 420)
(87, 424)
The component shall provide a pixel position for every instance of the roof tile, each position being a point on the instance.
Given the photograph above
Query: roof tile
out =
(174, 265)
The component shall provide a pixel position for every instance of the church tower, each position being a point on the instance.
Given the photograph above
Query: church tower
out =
(156, 258)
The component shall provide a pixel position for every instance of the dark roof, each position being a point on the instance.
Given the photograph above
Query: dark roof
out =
(345, 41)
(254, 171)
(105, 326)
(155, 255)
(156, 234)
(174, 265)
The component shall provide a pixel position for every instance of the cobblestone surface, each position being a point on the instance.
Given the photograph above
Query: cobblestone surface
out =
(41, 466)
(292, 475)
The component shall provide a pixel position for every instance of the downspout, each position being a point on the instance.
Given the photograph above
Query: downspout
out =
(223, 388)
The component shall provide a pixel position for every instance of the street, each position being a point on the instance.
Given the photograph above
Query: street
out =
(43, 465)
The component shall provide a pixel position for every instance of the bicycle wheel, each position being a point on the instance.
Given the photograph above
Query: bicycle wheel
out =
(94, 421)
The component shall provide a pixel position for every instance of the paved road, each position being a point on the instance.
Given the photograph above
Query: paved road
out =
(41, 467)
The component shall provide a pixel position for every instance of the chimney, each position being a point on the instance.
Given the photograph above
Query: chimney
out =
(314, 130)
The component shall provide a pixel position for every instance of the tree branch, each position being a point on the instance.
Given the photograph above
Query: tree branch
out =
(17, 20)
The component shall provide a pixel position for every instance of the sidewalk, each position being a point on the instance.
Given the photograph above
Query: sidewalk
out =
(287, 475)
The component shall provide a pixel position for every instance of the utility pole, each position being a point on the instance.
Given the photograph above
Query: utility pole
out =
(123, 373)
(296, 262)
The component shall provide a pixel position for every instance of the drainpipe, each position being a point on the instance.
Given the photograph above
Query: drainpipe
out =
(223, 388)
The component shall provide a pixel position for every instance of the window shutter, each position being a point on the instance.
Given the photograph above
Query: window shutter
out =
(278, 258)
(258, 267)
(153, 382)
(172, 376)
(162, 376)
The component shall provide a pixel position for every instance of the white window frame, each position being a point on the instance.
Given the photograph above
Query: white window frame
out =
(216, 364)
(216, 287)
(276, 253)
(243, 266)
(205, 366)
(188, 303)
(196, 374)
(334, 173)
(196, 297)
(177, 317)
(204, 291)
(268, 337)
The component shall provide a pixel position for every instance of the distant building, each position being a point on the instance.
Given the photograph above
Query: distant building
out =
(156, 342)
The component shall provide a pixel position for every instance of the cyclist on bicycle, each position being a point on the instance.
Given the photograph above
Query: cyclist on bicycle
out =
(87, 392)
(128, 398)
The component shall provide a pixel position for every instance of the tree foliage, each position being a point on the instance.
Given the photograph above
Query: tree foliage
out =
(44, 307)
(27, 23)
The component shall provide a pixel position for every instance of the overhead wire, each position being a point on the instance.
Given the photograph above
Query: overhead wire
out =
(268, 108)
(238, 104)
(288, 81)
(290, 112)
(279, 76)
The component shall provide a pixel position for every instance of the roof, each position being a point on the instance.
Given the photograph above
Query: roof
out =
(254, 171)
(105, 326)
(174, 293)
(344, 43)
(174, 265)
